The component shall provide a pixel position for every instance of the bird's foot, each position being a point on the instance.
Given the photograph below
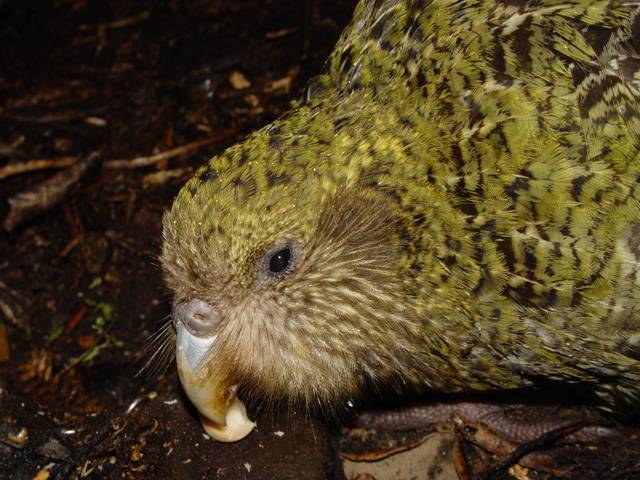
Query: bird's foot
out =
(484, 438)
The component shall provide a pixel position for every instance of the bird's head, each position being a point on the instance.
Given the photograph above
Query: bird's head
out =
(293, 272)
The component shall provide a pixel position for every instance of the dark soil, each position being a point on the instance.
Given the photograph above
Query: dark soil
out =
(80, 285)
(81, 292)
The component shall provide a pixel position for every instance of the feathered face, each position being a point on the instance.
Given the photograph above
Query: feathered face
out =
(297, 281)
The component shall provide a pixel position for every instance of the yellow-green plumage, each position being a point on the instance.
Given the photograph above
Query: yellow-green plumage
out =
(462, 186)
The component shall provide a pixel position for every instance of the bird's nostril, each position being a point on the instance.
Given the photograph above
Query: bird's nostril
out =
(200, 318)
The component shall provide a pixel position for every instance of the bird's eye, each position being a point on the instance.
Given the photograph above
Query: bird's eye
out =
(280, 260)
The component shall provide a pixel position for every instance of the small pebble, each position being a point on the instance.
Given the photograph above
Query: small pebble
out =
(238, 80)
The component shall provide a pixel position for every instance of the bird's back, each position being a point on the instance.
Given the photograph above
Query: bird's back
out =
(504, 138)
(509, 132)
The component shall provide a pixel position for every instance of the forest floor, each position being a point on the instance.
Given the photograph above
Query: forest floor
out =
(106, 109)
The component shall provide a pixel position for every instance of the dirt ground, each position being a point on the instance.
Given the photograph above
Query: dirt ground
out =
(80, 286)
(137, 95)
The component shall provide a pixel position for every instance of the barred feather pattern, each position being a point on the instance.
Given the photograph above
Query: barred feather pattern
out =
(478, 163)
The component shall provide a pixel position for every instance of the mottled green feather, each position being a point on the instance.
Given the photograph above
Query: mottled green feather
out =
(500, 141)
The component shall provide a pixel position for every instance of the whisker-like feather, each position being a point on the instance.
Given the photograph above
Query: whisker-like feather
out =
(157, 353)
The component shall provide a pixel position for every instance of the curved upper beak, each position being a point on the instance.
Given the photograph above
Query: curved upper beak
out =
(210, 390)
(205, 387)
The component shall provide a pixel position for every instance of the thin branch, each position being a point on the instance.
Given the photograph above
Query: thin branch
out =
(131, 163)
(121, 23)
(140, 162)
(36, 165)
(526, 448)
(44, 196)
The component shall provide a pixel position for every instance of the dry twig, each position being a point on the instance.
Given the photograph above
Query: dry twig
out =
(515, 455)
(26, 205)
(174, 152)
(36, 165)
(121, 23)
(137, 162)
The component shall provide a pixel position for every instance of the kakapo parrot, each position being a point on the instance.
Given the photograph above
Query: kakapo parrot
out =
(454, 206)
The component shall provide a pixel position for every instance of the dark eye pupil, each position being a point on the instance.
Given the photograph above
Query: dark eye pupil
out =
(280, 260)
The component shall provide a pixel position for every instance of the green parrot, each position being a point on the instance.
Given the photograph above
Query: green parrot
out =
(453, 207)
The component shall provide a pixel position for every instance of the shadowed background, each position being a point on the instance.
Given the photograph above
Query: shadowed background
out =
(80, 284)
